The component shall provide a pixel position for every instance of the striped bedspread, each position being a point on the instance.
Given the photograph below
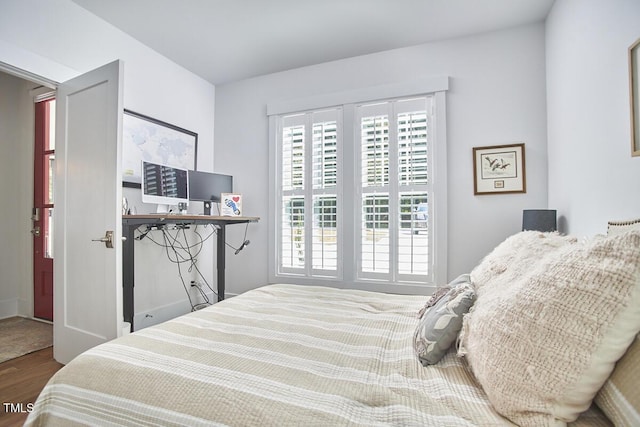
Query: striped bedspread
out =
(275, 356)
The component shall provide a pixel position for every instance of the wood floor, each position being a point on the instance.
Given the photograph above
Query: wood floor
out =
(21, 381)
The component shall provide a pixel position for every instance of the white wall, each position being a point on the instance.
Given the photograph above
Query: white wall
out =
(592, 176)
(16, 189)
(496, 96)
(57, 40)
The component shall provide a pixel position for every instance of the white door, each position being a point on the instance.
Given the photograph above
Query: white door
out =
(88, 195)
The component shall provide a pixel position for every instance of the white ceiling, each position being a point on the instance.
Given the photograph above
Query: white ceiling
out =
(228, 40)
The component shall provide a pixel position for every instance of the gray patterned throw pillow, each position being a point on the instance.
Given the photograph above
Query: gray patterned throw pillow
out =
(441, 323)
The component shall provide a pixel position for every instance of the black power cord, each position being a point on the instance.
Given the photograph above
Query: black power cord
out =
(245, 241)
(181, 252)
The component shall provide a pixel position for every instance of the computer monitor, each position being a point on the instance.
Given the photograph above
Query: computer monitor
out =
(207, 186)
(164, 185)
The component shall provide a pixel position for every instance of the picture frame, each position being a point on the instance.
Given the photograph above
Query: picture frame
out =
(499, 169)
(152, 140)
(231, 204)
(634, 96)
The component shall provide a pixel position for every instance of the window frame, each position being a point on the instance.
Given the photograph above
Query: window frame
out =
(348, 101)
(394, 188)
(308, 193)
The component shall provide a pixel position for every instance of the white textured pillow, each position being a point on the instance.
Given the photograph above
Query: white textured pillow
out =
(619, 397)
(518, 252)
(543, 344)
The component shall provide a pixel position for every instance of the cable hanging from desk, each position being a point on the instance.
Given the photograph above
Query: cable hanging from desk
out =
(130, 223)
(182, 254)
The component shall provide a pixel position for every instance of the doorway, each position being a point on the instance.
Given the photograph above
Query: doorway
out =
(17, 137)
(88, 286)
(42, 213)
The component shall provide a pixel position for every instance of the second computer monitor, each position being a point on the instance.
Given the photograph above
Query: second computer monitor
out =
(207, 187)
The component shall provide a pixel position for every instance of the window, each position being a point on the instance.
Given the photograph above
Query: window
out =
(309, 203)
(44, 164)
(358, 198)
(394, 190)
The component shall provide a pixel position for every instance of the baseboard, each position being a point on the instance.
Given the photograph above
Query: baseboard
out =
(17, 307)
(25, 308)
(161, 314)
(8, 308)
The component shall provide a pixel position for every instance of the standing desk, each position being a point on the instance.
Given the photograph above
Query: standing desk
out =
(131, 222)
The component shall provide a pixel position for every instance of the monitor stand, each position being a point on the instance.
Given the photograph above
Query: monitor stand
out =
(207, 208)
(162, 208)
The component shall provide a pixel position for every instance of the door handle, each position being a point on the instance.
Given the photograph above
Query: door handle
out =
(107, 239)
(36, 231)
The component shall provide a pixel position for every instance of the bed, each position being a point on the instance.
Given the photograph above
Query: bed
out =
(287, 355)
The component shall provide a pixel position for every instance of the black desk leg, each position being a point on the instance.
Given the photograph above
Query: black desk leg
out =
(128, 273)
(221, 260)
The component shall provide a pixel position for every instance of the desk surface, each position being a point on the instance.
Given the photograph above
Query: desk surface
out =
(146, 218)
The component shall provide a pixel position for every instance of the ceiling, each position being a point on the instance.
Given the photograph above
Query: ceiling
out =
(228, 40)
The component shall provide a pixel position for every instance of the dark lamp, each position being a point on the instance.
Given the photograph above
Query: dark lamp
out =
(539, 220)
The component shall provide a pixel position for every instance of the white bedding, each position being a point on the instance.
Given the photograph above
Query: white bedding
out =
(274, 356)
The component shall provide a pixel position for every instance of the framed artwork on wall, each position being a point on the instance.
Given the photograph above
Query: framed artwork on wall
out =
(499, 169)
(146, 138)
(634, 96)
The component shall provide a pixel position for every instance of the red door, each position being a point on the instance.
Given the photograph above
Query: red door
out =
(43, 171)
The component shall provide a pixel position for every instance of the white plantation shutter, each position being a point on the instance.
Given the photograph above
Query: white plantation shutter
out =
(325, 155)
(293, 158)
(325, 235)
(293, 203)
(325, 182)
(394, 175)
(413, 248)
(374, 247)
(413, 243)
(355, 198)
(309, 240)
(412, 147)
(374, 173)
(375, 150)
(293, 232)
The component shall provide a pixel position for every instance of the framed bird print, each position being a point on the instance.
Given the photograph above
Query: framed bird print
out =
(499, 169)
